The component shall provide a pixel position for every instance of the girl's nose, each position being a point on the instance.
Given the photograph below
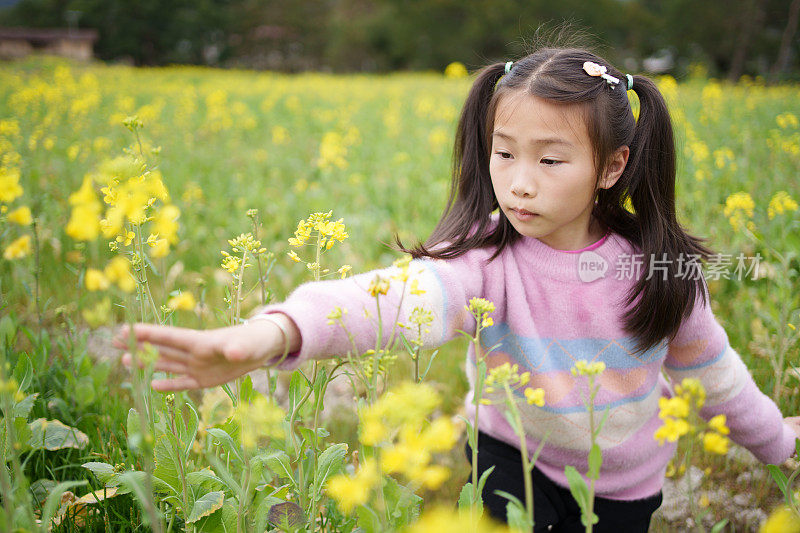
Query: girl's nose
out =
(523, 186)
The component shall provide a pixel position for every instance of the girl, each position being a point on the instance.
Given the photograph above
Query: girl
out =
(550, 142)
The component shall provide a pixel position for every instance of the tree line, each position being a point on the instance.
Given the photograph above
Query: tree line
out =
(730, 38)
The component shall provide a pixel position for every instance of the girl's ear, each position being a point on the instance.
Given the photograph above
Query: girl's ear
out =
(615, 167)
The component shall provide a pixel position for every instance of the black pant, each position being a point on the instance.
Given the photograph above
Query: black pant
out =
(554, 507)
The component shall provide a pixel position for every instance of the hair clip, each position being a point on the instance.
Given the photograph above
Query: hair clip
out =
(508, 66)
(593, 69)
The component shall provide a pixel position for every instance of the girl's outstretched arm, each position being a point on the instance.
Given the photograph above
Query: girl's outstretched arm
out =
(701, 350)
(205, 358)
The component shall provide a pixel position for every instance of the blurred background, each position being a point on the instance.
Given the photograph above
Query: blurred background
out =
(726, 38)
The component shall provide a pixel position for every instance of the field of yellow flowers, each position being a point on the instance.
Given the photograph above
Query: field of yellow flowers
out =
(173, 195)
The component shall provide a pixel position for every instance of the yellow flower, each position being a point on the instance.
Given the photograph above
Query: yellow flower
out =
(739, 208)
(692, 390)
(294, 257)
(159, 248)
(782, 520)
(126, 238)
(717, 423)
(257, 419)
(10, 188)
(584, 368)
(18, 249)
(343, 270)
(21, 216)
(781, 203)
(672, 430)
(715, 443)
(480, 306)
(677, 407)
(535, 396)
(118, 271)
(84, 222)
(350, 492)
(414, 289)
(378, 286)
(231, 263)
(455, 70)
(96, 280)
(183, 302)
(447, 520)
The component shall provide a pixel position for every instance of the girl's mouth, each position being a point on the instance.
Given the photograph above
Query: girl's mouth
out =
(523, 214)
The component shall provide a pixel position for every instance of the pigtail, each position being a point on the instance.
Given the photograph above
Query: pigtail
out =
(658, 305)
(471, 200)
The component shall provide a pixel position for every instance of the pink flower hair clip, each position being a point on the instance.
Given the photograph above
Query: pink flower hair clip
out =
(593, 69)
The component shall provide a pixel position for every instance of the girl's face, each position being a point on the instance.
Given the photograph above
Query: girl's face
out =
(542, 169)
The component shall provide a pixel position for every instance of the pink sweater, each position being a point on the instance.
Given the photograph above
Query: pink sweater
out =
(549, 315)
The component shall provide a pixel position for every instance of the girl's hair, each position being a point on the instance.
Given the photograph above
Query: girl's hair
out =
(655, 306)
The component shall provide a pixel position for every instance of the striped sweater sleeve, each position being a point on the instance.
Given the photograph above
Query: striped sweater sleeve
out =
(701, 350)
(442, 288)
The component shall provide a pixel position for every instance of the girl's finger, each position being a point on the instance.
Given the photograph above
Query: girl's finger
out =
(180, 338)
(175, 384)
(173, 367)
(169, 352)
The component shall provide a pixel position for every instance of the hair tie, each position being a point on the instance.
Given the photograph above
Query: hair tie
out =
(508, 66)
(630, 81)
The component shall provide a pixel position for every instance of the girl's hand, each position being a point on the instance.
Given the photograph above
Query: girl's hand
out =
(205, 358)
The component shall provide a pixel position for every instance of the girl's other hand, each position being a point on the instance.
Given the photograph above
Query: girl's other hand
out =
(205, 358)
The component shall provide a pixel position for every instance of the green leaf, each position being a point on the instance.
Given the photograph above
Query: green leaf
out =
(204, 479)
(55, 435)
(227, 443)
(287, 516)
(167, 467)
(296, 385)
(133, 427)
(483, 478)
(263, 504)
(595, 462)
(779, 477)
(517, 516)
(23, 408)
(23, 372)
(85, 393)
(205, 505)
(797, 446)
(719, 525)
(188, 435)
(279, 463)
(578, 487)
(329, 462)
(8, 331)
(368, 520)
(246, 392)
(104, 472)
(469, 497)
(401, 502)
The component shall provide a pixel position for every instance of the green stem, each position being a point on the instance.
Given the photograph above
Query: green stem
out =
(523, 448)
(181, 469)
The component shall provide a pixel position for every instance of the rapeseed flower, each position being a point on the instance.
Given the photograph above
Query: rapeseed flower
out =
(782, 520)
(118, 271)
(84, 222)
(352, 491)
(18, 248)
(184, 302)
(535, 396)
(585, 368)
(672, 430)
(781, 203)
(95, 280)
(447, 520)
(10, 188)
(455, 69)
(715, 443)
(21, 216)
(257, 419)
(739, 209)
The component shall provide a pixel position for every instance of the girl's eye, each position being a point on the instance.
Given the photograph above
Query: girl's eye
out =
(550, 162)
(504, 155)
